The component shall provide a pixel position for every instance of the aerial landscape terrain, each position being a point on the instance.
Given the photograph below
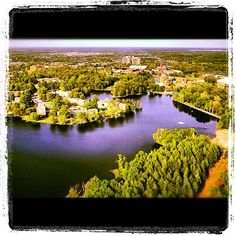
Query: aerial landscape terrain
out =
(118, 122)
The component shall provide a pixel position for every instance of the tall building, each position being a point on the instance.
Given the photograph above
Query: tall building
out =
(130, 60)
(135, 60)
(126, 60)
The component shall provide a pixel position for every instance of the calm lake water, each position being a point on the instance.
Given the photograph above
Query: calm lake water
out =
(45, 160)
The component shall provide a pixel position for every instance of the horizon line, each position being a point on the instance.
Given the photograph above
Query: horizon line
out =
(118, 43)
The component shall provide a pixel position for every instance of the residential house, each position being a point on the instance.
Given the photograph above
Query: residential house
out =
(78, 101)
(41, 109)
(63, 93)
(103, 104)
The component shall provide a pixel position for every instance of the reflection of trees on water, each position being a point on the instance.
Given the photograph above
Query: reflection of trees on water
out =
(199, 116)
(121, 120)
(18, 122)
(34, 126)
(83, 128)
(64, 129)
(116, 121)
(135, 97)
(155, 146)
(53, 128)
(151, 96)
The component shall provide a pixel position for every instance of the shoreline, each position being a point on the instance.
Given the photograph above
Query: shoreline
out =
(45, 121)
(127, 96)
(198, 109)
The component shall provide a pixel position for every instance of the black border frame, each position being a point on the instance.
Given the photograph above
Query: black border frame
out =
(128, 22)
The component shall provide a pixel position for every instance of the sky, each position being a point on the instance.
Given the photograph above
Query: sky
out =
(57, 43)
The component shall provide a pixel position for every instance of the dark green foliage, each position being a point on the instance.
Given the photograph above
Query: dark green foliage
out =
(177, 169)
(34, 116)
(224, 121)
(92, 103)
(197, 62)
(132, 84)
(209, 97)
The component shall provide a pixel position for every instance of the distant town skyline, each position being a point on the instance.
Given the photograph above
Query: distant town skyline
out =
(104, 43)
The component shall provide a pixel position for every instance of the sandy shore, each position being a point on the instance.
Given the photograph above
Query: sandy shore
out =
(222, 138)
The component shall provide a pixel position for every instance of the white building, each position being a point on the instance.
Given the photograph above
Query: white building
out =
(102, 104)
(41, 109)
(64, 94)
(134, 67)
(131, 60)
(126, 60)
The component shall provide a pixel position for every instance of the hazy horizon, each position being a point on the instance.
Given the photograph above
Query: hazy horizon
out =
(115, 43)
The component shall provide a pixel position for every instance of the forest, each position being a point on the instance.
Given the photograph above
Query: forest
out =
(209, 97)
(193, 62)
(177, 169)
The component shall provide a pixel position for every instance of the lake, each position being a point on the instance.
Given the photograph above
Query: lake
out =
(45, 160)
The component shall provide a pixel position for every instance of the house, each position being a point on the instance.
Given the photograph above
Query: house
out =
(74, 110)
(16, 99)
(41, 109)
(78, 101)
(102, 104)
(64, 94)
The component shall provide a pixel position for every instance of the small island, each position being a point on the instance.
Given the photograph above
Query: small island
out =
(61, 109)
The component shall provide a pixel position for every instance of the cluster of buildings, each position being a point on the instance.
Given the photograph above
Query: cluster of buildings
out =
(170, 80)
(76, 104)
(165, 70)
(131, 60)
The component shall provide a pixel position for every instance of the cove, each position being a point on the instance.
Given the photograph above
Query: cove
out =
(45, 160)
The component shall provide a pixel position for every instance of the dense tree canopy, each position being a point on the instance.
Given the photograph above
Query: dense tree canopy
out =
(209, 97)
(177, 169)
